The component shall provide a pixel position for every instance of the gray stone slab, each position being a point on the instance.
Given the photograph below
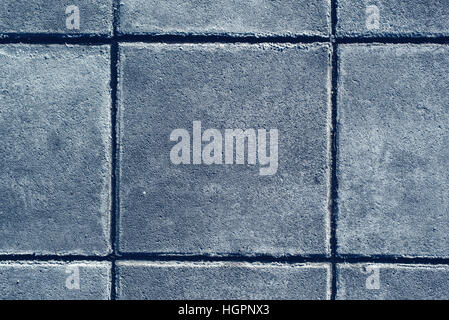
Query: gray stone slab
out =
(55, 280)
(393, 146)
(392, 18)
(56, 16)
(222, 280)
(230, 17)
(223, 209)
(392, 282)
(54, 149)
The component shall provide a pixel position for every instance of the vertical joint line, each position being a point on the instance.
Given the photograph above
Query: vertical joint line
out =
(114, 147)
(333, 178)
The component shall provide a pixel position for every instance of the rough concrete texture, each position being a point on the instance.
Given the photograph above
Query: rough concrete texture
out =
(222, 280)
(54, 149)
(199, 17)
(49, 16)
(223, 209)
(393, 146)
(392, 282)
(395, 18)
(55, 280)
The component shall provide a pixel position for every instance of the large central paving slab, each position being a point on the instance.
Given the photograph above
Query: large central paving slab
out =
(392, 282)
(393, 150)
(223, 209)
(228, 17)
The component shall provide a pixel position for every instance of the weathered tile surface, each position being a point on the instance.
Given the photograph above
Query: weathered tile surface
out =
(221, 280)
(55, 280)
(54, 149)
(200, 17)
(56, 17)
(223, 209)
(394, 18)
(393, 146)
(392, 282)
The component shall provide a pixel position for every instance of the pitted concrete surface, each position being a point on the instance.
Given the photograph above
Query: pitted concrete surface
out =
(163, 206)
(392, 172)
(392, 282)
(222, 280)
(228, 17)
(117, 151)
(54, 150)
(55, 280)
(392, 18)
